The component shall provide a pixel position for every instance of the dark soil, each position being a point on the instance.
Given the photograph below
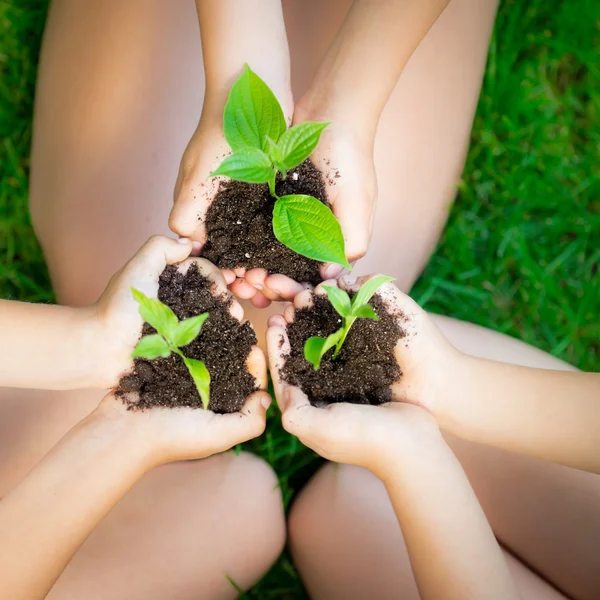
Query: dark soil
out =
(240, 230)
(223, 345)
(363, 370)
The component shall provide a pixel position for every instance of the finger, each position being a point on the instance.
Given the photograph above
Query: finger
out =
(278, 349)
(235, 428)
(330, 270)
(208, 270)
(256, 277)
(299, 417)
(289, 313)
(304, 299)
(240, 272)
(256, 364)
(283, 286)
(236, 310)
(242, 290)
(277, 320)
(260, 300)
(196, 248)
(144, 268)
(228, 275)
(321, 291)
(270, 295)
(354, 216)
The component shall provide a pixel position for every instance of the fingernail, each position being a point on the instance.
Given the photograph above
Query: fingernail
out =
(275, 291)
(348, 279)
(183, 241)
(287, 394)
(331, 271)
(258, 287)
(266, 402)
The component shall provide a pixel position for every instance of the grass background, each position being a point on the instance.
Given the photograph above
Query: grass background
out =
(521, 251)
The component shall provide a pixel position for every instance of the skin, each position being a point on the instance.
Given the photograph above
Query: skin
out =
(546, 414)
(74, 487)
(391, 28)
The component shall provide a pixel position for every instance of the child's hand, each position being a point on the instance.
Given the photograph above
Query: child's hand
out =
(378, 438)
(117, 313)
(423, 354)
(162, 435)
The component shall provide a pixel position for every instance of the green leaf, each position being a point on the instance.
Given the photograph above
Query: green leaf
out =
(151, 347)
(339, 300)
(274, 153)
(315, 347)
(308, 227)
(252, 113)
(365, 293)
(157, 314)
(187, 331)
(365, 312)
(298, 142)
(248, 164)
(201, 378)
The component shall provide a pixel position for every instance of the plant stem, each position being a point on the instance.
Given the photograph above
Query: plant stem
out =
(347, 324)
(272, 185)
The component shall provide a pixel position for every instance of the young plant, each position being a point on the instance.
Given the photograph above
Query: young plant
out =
(263, 146)
(172, 335)
(350, 310)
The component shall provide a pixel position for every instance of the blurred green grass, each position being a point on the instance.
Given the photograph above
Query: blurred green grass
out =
(521, 251)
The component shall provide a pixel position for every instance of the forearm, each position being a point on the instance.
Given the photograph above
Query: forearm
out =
(366, 58)
(50, 514)
(234, 33)
(44, 346)
(553, 415)
(452, 549)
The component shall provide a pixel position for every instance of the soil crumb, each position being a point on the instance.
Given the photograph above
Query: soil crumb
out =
(223, 345)
(365, 367)
(240, 230)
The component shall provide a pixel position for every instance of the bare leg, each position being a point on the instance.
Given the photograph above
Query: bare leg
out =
(120, 90)
(545, 514)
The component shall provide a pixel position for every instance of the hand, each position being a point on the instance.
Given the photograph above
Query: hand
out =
(345, 158)
(162, 435)
(425, 357)
(195, 191)
(117, 315)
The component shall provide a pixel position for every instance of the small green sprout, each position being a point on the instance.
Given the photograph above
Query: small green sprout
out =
(350, 310)
(172, 335)
(262, 145)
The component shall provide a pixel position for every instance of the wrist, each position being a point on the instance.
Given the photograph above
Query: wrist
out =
(85, 340)
(112, 427)
(324, 105)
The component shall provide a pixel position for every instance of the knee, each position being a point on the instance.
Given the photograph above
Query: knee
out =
(253, 517)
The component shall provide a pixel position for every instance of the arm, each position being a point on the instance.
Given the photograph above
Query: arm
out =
(57, 347)
(234, 33)
(50, 514)
(372, 47)
(50, 347)
(553, 415)
(452, 549)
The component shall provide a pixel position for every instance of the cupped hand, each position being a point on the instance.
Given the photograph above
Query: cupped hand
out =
(117, 313)
(424, 355)
(165, 435)
(344, 157)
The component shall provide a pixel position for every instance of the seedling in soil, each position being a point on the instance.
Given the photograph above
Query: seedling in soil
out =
(172, 335)
(263, 146)
(350, 310)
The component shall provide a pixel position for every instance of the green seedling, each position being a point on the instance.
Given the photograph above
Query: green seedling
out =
(172, 335)
(350, 310)
(263, 146)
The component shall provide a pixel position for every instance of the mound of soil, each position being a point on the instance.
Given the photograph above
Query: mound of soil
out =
(363, 370)
(239, 225)
(223, 345)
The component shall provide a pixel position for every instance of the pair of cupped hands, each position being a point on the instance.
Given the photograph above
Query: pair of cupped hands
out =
(355, 434)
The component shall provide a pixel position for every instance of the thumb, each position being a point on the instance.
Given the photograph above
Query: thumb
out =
(235, 428)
